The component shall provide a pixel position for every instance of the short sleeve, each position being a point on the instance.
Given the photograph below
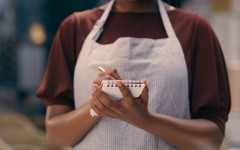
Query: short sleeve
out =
(209, 88)
(57, 83)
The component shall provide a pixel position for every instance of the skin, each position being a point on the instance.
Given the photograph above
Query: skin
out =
(135, 6)
(66, 126)
(188, 134)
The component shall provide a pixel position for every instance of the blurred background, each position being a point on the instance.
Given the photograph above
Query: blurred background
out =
(26, 32)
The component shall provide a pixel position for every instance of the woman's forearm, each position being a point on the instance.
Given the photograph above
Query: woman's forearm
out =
(199, 134)
(185, 134)
(67, 127)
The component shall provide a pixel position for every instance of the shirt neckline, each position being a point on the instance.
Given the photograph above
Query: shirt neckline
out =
(98, 9)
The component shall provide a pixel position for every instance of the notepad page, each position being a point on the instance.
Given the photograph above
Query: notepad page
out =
(110, 88)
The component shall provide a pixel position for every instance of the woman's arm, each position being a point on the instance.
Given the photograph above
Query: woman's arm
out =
(66, 126)
(182, 133)
(185, 134)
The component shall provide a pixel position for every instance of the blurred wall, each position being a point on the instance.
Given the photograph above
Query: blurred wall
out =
(26, 32)
(224, 16)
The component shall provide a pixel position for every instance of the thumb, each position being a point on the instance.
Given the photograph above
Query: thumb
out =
(144, 94)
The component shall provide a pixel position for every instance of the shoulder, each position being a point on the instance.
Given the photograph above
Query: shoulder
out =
(189, 22)
(81, 18)
(88, 15)
(182, 16)
(198, 20)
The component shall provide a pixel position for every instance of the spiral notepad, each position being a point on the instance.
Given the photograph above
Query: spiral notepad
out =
(110, 88)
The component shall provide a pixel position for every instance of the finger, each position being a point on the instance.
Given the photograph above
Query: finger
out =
(139, 101)
(100, 100)
(110, 74)
(104, 99)
(108, 77)
(144, 94)
(101, 96)
(103, 112)
(96, 99)
(114, 73)
(98, 103)
(94, 107)
(99, 79)
(109, 112)
(124, 89)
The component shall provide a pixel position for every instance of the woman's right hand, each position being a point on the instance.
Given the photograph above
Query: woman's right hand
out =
(109, 74)
(65, 125)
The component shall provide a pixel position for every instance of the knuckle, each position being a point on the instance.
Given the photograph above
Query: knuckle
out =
(111, 73)
(108, 77)
(114, 70)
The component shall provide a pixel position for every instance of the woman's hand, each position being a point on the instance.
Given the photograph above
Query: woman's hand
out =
(66, 126)
(129, 109)
(109, 74)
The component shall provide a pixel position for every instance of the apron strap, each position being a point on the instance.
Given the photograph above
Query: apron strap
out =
(166, 21)
(98, 27)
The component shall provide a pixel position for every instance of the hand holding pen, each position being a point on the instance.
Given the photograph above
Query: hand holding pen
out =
(128, 108)
(110, 74)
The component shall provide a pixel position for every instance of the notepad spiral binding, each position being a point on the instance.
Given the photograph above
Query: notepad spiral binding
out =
(128, 83)
(110, 88)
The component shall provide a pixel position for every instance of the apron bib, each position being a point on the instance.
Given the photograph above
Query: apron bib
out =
(161, 62)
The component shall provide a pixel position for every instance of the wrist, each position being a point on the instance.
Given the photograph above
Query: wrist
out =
(144, 122)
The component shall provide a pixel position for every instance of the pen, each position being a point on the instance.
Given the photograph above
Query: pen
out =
(101, 69)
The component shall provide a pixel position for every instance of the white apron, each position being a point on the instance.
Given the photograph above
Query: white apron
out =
(161, 62)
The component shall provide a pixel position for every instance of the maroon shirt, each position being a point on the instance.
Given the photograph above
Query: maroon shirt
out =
(209, 93)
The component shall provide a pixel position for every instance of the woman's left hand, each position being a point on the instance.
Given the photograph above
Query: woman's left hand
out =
(129, 109)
